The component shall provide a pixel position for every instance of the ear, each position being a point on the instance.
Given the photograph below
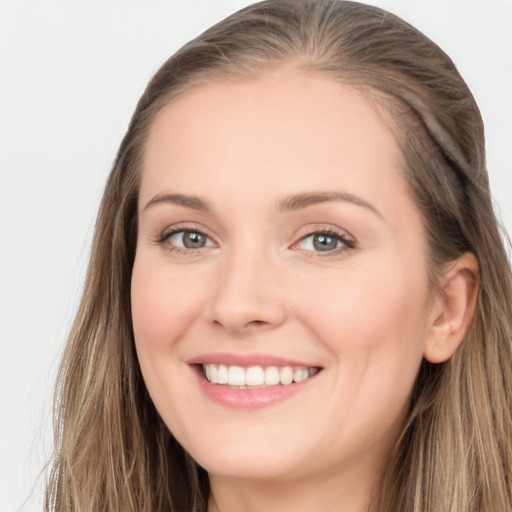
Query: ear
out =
(453, 309)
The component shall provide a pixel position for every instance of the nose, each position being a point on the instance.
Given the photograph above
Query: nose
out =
(248, 296)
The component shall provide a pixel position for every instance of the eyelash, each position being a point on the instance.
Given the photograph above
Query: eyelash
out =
(347, 243)
(165, 236)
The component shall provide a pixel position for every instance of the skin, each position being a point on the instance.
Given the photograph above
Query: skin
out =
(364, 314)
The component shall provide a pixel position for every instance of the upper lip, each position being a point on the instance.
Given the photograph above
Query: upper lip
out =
(246, 360)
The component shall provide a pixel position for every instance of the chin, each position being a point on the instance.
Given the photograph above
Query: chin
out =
(262, 470)
(250, 461)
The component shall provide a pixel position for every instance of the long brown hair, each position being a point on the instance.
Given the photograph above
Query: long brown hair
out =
(113, 452)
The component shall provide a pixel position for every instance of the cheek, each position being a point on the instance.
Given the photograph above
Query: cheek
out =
(371, 320)
(163, 304)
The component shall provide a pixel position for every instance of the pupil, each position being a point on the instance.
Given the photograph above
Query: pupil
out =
(192, 240)
(324, 242)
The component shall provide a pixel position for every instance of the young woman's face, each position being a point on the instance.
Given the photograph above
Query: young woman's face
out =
(280, 253)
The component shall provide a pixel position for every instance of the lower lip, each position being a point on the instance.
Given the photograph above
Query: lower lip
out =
(250, 399)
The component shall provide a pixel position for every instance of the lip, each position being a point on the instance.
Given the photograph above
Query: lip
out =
(247, 399)
(246, 360)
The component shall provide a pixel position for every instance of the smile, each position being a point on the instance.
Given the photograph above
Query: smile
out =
(251, 381)
(256, 377)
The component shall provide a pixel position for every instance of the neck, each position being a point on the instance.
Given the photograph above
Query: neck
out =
(329, 493)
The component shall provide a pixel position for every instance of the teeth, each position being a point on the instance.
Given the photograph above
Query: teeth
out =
(236, 376)
(286, 375)
(271, 376)
(256, 376)
(213, 374)
(222, 374)
(300, 374)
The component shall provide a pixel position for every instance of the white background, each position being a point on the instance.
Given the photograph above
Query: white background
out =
(70, 75)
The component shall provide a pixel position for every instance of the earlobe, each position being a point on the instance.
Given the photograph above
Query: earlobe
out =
(454, 309)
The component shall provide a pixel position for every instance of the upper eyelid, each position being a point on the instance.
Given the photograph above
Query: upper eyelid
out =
(348, 241)
(171, 230)
(309, 230)
(163, 240)
(329, 229)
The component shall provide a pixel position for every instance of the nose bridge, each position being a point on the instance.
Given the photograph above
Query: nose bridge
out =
(247, 292)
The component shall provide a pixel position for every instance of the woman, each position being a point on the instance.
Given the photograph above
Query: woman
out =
(298, 297)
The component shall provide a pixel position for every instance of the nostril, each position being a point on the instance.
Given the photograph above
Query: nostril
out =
(256, 323)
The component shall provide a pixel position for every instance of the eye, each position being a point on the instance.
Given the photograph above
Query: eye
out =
(185, 239)
(325, 241)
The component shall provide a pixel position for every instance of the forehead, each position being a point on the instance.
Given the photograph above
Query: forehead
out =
(289, 126)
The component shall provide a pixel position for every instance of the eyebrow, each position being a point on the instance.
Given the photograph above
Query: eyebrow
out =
(193, 202)
(290, 203)
(299, 201)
